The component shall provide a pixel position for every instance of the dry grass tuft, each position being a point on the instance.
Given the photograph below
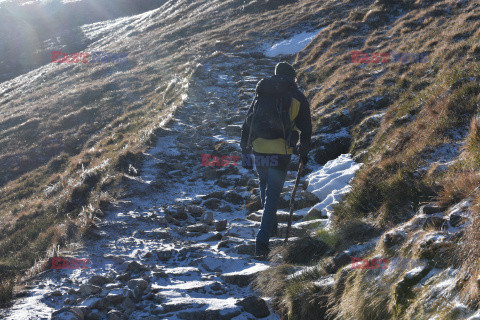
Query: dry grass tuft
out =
(363, 297)
(301, 251)
(470, 255)
(6, 291)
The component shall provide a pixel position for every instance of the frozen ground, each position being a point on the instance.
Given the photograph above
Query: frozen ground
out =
(331, 182)
(165, 251)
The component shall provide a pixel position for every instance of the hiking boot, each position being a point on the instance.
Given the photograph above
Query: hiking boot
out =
(261, 249)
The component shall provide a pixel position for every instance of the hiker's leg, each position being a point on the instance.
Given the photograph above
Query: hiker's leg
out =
(262, 177)
(275, 181)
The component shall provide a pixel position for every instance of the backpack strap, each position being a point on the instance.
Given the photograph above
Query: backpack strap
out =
(249, 142)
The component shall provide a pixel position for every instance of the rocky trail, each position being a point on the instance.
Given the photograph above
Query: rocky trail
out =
(179, 245)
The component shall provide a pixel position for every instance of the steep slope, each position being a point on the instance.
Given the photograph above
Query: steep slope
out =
(414, 125)
(410, 122)
(71, 131)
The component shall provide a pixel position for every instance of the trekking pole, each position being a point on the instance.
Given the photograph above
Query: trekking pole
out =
(292, 200)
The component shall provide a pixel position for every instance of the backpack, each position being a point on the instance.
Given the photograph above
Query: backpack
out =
(270, 118)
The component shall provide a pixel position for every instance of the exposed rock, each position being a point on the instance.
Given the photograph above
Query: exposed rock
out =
(212, 203)
(254, 205)
(215, 194)
(172, 220)
(303, 199)
(206, 218)
(233, 197)
(307, 199)
(402, 287)
(159, 234)
(215, 237)
(89, 289)
(177, 212)
(393, 238)
(195, 211)
(95, 315)
(256, 306)
(429, 209)
(164, 255)
(147, 255)
(128, 305)
(340, 260)
(134, 266)
(99, 280)
(241, 279)
(114, 315)
(255, 216)
(56, 293)
(437, 248)
(123, 277)
(199, 227)
(455, 220)
(225, 208)
(328, 148)
(248, 249)
(138, 286)
(115, 298)
(73, 313)
(225, 183)
(157, 297)
(221, 225)
(95, 303)
(224, 147)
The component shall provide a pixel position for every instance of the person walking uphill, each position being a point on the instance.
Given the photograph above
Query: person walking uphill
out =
(278, 117)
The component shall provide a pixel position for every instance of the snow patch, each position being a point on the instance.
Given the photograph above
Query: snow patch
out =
(331, 182)
(292, 45)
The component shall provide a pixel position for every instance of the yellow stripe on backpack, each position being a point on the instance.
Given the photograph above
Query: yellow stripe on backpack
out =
(277, 146)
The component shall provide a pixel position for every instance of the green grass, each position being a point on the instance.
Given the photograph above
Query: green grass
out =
(330, 237)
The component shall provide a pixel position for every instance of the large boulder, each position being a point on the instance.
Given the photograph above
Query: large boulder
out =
(255, 306)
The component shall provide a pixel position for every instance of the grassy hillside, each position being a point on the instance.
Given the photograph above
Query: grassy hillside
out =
(414, 125)
(70, 132)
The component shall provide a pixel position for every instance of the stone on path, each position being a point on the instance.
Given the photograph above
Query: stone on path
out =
(256, 306)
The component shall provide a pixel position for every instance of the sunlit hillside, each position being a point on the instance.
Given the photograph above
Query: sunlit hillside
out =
(393, 83)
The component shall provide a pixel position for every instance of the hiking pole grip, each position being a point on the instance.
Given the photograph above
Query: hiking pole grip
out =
(292, 200)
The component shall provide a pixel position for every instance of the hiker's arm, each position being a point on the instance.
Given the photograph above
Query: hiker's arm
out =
(246, 128)
(304, 124)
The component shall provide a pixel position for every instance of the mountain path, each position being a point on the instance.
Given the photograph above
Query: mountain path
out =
(158, 254)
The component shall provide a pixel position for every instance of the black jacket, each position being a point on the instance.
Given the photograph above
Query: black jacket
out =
(303, 122)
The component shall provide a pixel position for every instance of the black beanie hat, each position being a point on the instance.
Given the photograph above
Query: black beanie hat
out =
(285, 69)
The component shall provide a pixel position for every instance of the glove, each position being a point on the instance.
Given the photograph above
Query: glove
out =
(247, 159)
(302, 153)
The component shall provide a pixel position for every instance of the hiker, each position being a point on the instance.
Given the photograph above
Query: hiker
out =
(278, 117)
